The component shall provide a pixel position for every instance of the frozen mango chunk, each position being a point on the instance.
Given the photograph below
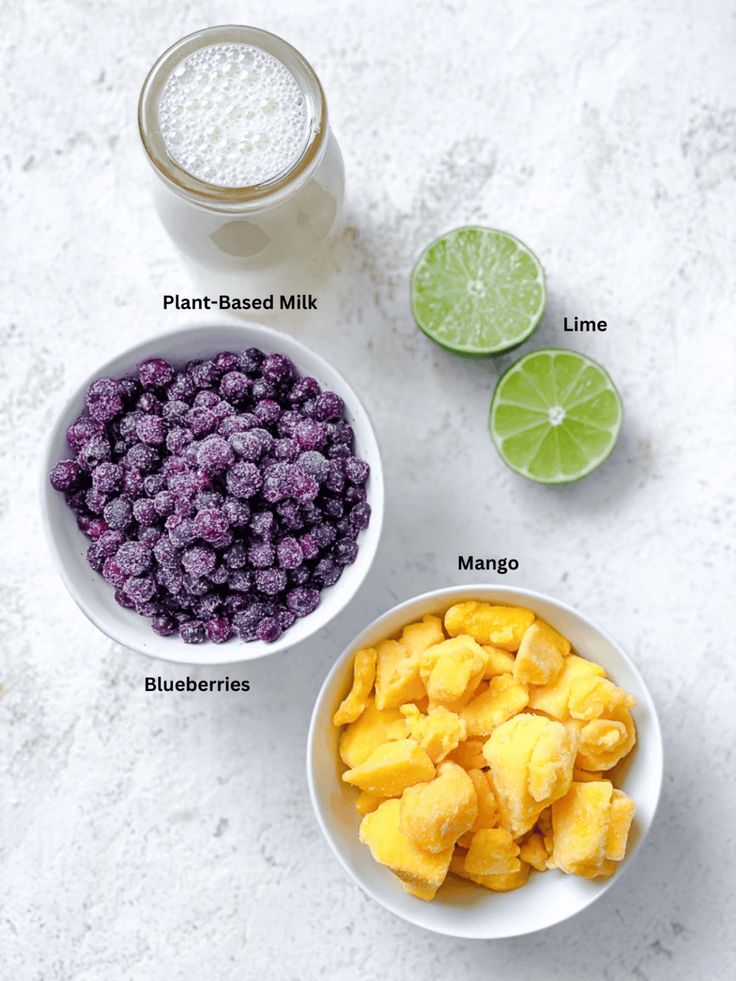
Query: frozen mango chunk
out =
(391, 768)
(372, 729)
(435, 814)
(487, 803)
(500, 626)
(620, 817)
(580, 822)
(498, 661)
(534, 851)
(452, 670)
(493, 852)
(531, 760)
(497, 883)
(417, 637)
(553, 698)
(421, 872)
(397, 675)
(469, 754)
(438, 732)
(367, 802)
(592, 697)
(585, 776)
(540, 655)
(364, 674)
(502, 700)
(603, 742)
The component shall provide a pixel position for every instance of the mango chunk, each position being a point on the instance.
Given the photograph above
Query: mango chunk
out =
(417, 637)
(500, 626)
(540, 655)
(580, 822)
(397, 675)
(603, 742)
(364, 674)
(421, 872)
(592, 697)
(391, 768)
(492, 852)
(496, 883)
(620, 817)
(499, 662)
(372, 729)
(534, 851)
(367, 802)
(487, 803)
(502, 700)
(585, 776)
(438, 733)
(469, 754)
(452, 670)
(553, 698)
(531, 760)
(435, 814)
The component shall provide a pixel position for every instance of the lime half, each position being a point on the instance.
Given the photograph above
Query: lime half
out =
(555, 416)
(477, 291)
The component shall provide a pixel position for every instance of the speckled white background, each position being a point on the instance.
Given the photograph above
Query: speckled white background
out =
(170, 837)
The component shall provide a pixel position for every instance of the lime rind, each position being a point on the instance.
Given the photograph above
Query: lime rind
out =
(520, 418)
(478, 291)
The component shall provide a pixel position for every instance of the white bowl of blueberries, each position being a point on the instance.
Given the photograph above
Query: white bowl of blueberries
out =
(213, 495)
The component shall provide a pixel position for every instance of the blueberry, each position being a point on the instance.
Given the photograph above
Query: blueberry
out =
(289, 553)
(225, 361)
(241, 581)
(112, 572)
(286, 450)
(211, 524)
(164, 625)
(262, 389)
(329, 405)
(151, 429)
(110, 542)
(235, 387)
(141, 457)
(327, 572)
(240, 423)
(180, 529)
(237, 512)
(277, 368)
(132, 482)
(261, 554)
(133, 558)
(206, 399)
(66, 475)
(355, 469)
(104, 399)
(315, 464)
(267, 412)
(82, 430)
(236, 557)
(268, 630)
(149, 405)
(263, 524)
(302, 600)
(139, 588)
(201, 421)
(144, 512)
(94, 452)
(118, 513)
(203, 374)
(164, 502)
(193, 632)
(107, 477)
(155, 373)
(310, 434)
(175, 410)
(219, 630)
(243, 480)
(246, 445)
(199, 560)
(250, 361)
(181, 388)
(345, 551)
(122, 599)
(310, 548)
(96, 556)
(214, 454)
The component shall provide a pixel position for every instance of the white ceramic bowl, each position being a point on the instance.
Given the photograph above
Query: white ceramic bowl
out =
(95, 596)
(464, 909)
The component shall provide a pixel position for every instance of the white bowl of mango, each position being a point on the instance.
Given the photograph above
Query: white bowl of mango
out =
(484, 761)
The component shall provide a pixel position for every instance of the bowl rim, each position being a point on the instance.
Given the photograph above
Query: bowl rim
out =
(485, 591)
(235, 651)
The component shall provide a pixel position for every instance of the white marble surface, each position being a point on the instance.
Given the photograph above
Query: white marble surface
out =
(171, 837)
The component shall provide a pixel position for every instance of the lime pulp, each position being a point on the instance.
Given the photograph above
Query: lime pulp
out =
(555, 416)
(477, 291)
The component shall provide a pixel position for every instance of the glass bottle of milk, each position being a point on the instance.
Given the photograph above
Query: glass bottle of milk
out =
(234, 122)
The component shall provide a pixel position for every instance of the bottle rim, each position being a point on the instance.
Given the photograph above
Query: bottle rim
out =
(214, 196)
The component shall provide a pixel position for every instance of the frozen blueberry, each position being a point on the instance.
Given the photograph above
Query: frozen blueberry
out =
(277, 368)
(141, 457)
(201, 421)
(107, 477)
(164, 625)
(219, 575)
(112, 572)
(310, 434)
(241, 581)
(360, 516)
(122, 599)
(214, 454)
(289, 553)
(246, 445)
(327, 572)
(225, 361)
(334, 507)
(329, 405)
(181, 388)
(219, 630)
(250, 361)
(340, 433)
(335, 479)
(155, 373)
(164, 502)
(205, 607)
(81, 431)
(94, 452)
(262, 389)
(130, 389)
(195, 586)
(355, 469)
(96, 528)
(345, 551)
(208, 499)
(268, 630)
(355, 494)
(199, 560)
(302, 600)
(237, 512)
(104, 399)
(303, 389)
(149, 536)
(127, 428)
(315, 464)
(288, 421)
(151, 429)
(310, 548)
(133, 558)
(261, 554)
(300, 576)
(148, 404)
(286, 450)
(144, 511)
(139, 588)
(263, 524)
(110, 542)
(118, 513)
(243, 479)
(285, 617)
(211, 524)
(236, 557)
(193, 632)
(206, 399)
(324, 535)
(234, 387)
(175, 410)
(66, 475)
(240, 423)
(270, 581)
(298, 484)
(132, 482)
(181, 530)
(267, 412)
(224, 410)
(290, 515)
(95, 556)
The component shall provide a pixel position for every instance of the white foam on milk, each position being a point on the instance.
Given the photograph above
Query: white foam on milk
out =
(233, 115)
